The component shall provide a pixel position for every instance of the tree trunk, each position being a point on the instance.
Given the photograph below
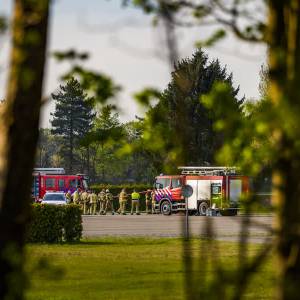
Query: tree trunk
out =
(102, 168)
(71, 149)
(88, 160)
(284, 62)
(18, 139)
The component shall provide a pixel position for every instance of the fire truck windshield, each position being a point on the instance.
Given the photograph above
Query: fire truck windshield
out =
(161, 183)
(73, 183)
(85, 185)
(176, 182)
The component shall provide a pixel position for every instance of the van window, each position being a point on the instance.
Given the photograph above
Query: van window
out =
(50, 182)
(61, 183)
(176, 183)
(162, 183)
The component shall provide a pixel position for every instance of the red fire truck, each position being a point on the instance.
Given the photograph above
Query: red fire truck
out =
(218, 188)
(54, 179)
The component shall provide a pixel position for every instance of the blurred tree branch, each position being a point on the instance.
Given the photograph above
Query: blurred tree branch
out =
(271, 134)
(99, 86)
(3, 24)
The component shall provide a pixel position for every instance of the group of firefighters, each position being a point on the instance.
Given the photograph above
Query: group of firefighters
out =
(93, 204)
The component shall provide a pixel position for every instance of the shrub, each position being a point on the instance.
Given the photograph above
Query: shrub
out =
(72, 223)
(116, 189)
(54, 224)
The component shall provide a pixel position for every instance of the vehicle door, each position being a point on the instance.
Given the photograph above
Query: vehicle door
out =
(216, 194)
(235, 191)
(176, 185)
(162, 186)
(61, 184)
(50, 183)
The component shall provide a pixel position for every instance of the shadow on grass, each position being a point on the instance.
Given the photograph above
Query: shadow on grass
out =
(114, 241)
(126, 241)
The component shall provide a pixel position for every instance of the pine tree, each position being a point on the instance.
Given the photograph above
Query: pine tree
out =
(72, 118)
(187, 124)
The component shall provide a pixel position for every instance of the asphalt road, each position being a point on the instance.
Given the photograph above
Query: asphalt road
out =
(223, 228)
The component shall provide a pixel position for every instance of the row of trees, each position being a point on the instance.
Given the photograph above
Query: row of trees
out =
(98, 152)
(88, 138)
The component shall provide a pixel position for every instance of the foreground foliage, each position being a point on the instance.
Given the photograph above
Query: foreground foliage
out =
(19, 122)
(272, 135)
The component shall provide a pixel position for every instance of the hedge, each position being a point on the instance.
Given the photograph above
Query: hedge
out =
(116, 189)
(55, 223)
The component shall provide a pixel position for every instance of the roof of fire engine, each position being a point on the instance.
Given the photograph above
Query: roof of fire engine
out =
(189, 170)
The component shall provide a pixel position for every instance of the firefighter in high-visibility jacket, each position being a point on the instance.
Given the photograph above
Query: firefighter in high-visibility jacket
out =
(122, 202)
(93, 203)
(76, 197)
(69, 197)
(148, 201)
(109, 204)
(84, 199)
(135, 202)
(153, 201)
(101, 197)
(87, 203)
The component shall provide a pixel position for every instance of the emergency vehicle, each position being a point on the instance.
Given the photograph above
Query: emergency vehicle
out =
(218, 188)
(55, 180)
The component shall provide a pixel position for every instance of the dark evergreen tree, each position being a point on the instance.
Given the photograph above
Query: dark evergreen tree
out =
(181, 115)
(72, 118)
(140, 162)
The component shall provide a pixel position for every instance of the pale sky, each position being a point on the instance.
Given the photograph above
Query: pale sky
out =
(124, 45)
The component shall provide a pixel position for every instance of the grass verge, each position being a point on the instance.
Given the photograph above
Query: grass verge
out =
(134, 268)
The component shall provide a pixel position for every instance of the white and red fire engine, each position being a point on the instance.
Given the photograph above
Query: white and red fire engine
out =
(218, 188)
(55, 180)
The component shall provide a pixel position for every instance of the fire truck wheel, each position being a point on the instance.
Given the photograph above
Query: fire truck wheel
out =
(165, 208)
(202, 208)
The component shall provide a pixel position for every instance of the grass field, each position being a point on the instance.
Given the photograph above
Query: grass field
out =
(131, 268)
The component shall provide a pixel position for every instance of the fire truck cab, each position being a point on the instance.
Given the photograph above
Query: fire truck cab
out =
(217, 188)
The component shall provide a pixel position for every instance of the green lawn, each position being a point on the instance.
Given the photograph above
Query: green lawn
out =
(131, 268)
